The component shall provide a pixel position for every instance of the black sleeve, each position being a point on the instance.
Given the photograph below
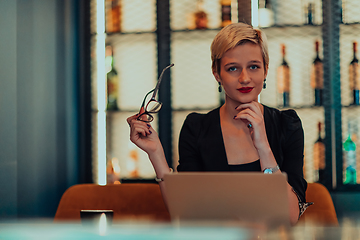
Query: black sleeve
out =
(189, 157)
(293, 152)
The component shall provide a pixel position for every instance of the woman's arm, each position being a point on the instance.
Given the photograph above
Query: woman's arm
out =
(146, 138)
(252, 112)
(293, 155)
(270, 162)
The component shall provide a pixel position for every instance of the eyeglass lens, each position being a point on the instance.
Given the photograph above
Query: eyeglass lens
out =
(153, 106)
(149, 118)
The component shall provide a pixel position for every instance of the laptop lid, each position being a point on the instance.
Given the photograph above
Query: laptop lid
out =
(230, 196)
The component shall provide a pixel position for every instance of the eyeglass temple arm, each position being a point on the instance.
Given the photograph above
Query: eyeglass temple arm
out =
(159, 80)
(143, 103)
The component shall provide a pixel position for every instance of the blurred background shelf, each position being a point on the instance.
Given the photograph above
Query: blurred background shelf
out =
(297, 25)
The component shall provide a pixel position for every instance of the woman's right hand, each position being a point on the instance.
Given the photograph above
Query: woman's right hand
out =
(143, 135)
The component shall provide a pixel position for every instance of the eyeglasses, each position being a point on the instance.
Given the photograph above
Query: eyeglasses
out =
(152, 106)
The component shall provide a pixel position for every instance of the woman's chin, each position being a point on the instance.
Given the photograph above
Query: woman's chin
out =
(242, 100)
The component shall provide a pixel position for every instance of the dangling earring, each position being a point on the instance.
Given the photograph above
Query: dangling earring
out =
(264, 85)
(220, 89)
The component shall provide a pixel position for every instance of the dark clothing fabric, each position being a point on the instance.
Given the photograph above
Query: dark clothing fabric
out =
(201, 144)
(246, 167)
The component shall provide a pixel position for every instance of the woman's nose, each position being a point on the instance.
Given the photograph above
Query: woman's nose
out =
(244, 77)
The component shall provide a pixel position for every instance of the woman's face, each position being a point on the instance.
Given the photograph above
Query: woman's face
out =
(242, 73)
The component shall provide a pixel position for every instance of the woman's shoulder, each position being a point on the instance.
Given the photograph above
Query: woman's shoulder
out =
(196, 122)
(196, 117)
(287, 118)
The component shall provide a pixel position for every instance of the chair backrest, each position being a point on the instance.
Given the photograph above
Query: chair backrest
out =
(128, 201)
(322, 212)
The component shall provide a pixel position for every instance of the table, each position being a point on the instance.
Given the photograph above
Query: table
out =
(134, 230)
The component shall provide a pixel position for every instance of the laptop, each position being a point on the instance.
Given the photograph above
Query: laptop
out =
(248, 197)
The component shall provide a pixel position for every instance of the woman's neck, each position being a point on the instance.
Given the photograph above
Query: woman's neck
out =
(229, 110)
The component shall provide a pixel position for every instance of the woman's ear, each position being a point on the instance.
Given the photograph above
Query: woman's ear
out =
(266, 71)
(217, 77)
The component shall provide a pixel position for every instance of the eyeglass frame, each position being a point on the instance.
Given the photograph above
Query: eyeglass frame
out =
(152, 99)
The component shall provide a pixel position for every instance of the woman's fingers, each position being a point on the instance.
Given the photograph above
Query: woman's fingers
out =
(140, 117)
(142, 134)
(254, 106)
(143, 117)
(248, 115)
(250, 112)
(139, 127)
(129, 119)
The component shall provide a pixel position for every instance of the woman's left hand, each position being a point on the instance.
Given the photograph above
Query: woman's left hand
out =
(252, 113)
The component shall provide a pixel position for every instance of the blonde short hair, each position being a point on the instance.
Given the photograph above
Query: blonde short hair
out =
(234, 35)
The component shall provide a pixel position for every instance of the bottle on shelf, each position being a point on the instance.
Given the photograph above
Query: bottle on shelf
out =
(342, 20)
(113, 171)
(132, 163)
(309, 13)
(283, 79)
(200, 16)
(354, 76)
(112, 80)
(319, 156)
(113, 16)
(317, 77)
(349, 159)
(225, 12)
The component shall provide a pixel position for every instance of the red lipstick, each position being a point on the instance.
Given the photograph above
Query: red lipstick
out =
(245, 89)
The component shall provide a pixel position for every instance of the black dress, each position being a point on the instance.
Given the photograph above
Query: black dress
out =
(201, 145)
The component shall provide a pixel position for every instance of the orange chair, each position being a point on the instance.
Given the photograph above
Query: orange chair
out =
(142, 201)
(322, 212)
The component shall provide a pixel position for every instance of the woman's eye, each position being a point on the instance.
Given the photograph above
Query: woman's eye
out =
(253, 67)
(232, 69)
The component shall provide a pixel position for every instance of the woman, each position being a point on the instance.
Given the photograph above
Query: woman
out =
(241, 135)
